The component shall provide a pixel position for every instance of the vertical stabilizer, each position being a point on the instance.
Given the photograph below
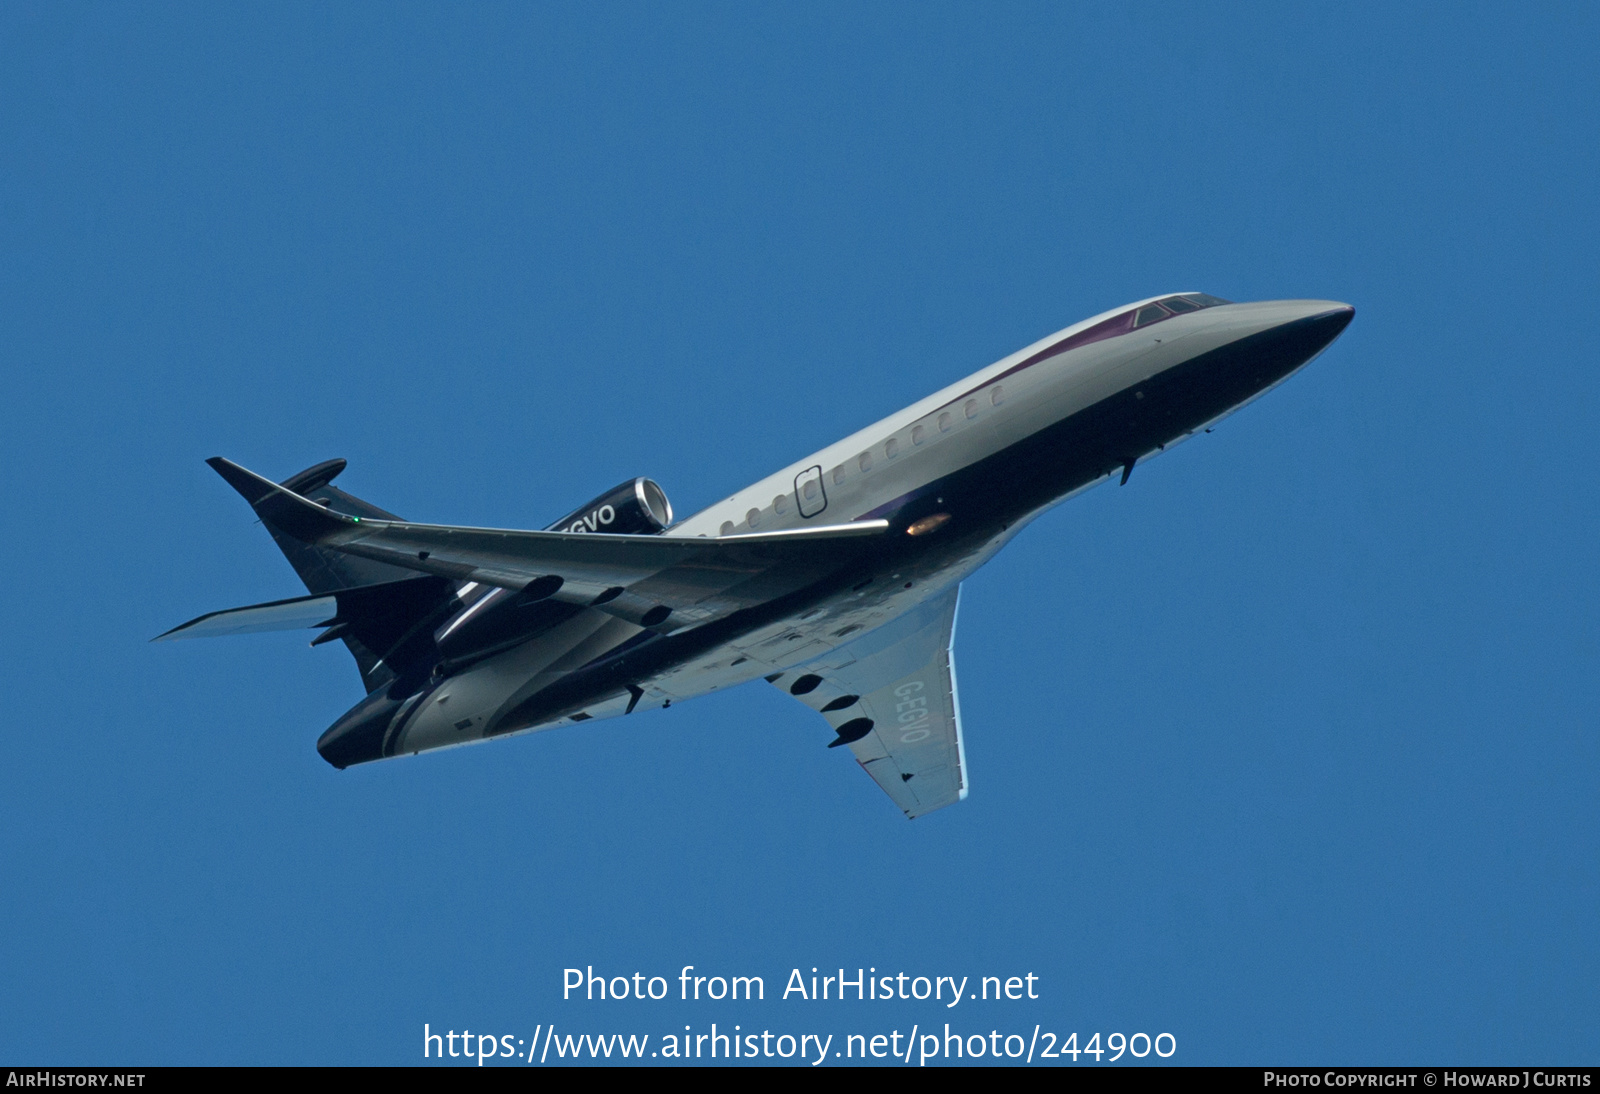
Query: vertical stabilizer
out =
(325, 571)
(322, 570)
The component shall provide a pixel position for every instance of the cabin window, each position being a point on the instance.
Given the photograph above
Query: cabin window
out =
(864, 461)
(753, 517)
(780, 504)
(727, 528)
(810, 489)
(891, 448)
(944, 422)
(971, 408)
(916, 434)
(997, 396)
(838, 475)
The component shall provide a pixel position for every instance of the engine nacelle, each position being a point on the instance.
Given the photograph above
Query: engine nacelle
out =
(637, 507)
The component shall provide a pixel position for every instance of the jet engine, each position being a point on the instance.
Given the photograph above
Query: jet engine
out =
(637, 507)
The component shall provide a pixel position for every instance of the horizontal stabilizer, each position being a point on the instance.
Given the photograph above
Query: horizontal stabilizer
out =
(275, 615)
(388, 623)
(313, 477)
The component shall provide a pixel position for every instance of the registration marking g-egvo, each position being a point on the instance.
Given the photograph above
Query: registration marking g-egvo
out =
(913, 712)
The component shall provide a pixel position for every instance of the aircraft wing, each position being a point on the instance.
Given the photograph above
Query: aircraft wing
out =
(629, 576)
(891, 697)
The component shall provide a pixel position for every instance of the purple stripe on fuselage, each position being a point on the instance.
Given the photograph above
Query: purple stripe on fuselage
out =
(1110, 328)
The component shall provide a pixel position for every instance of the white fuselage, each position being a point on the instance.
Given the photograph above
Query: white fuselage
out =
(898, 463)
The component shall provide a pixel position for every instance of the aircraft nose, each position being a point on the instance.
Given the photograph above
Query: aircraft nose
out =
(1306, 322)
(1318, 309)
(1327, 319)
(1273, 339)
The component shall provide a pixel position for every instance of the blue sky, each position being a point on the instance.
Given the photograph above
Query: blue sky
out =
(1287, 748)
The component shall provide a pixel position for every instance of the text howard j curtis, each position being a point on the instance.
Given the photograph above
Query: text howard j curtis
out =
(585, 983)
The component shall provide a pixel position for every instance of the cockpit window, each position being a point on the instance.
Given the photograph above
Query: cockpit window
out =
(1174, 305)
(1122, 323)
(1150, 313)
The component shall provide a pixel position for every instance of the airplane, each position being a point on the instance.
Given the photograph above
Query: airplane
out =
(836, 579)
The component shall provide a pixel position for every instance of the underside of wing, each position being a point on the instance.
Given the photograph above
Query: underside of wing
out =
(890, 697)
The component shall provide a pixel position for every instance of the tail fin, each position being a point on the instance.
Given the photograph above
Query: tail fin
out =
(322, 570)
(395, 639)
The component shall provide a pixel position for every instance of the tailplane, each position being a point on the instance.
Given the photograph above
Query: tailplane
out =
(387, 627)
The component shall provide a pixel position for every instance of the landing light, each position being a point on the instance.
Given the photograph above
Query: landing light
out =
(927, 524)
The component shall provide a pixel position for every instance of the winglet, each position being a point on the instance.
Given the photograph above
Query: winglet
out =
(284, 509)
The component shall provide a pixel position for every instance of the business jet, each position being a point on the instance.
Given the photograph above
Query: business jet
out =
(835, 579)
